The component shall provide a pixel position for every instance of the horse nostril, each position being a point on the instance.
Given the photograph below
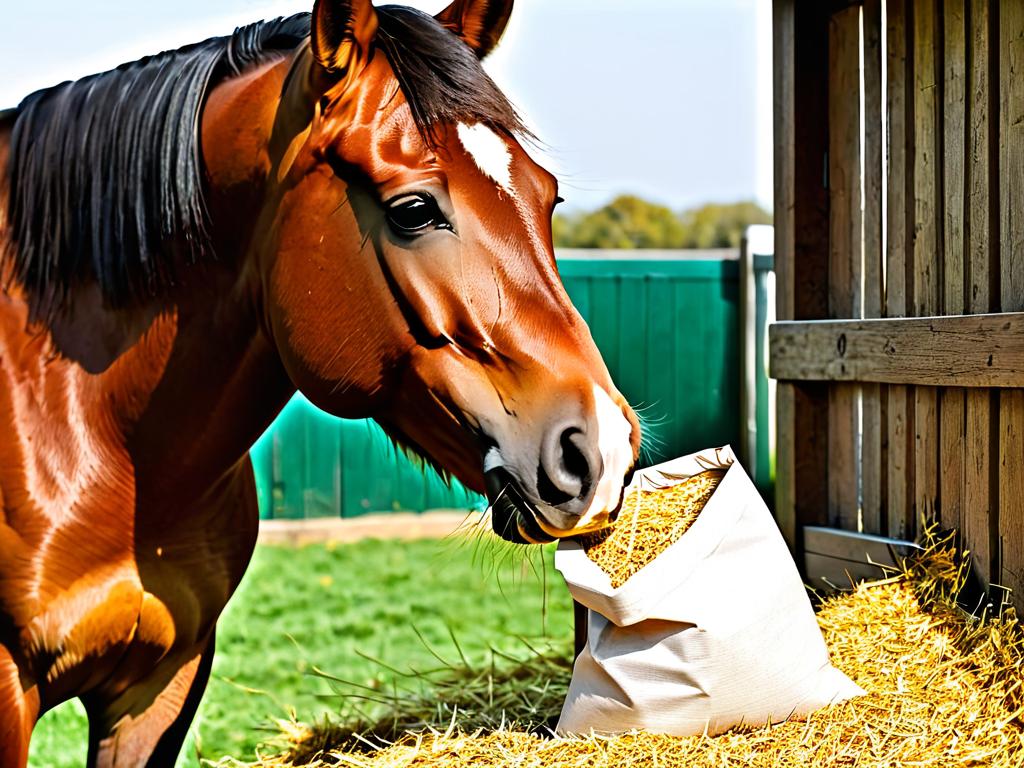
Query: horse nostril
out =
(573, 460)
(564, 473)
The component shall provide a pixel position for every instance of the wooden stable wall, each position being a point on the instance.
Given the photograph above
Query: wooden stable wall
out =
(913, 209)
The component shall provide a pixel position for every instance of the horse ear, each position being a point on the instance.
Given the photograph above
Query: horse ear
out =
(342, 32)
(480, 23)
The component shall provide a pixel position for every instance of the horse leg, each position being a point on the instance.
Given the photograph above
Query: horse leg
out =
(148, 729)
(19, 709)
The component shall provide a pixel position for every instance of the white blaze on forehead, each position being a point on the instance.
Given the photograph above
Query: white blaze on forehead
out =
(489, 151)
(613, 432)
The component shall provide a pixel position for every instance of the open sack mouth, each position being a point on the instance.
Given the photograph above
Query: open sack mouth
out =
(513, 518)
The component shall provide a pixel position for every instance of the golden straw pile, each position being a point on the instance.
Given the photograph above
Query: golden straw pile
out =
(945, 689)
(651, 520)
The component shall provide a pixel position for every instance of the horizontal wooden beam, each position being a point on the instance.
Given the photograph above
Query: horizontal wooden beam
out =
(954, 351)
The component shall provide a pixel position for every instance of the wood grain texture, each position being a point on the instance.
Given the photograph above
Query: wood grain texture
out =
(954, 112)
(951, 401)
(899, 218)
(927, 242)
(1011, 154)
(784, 120)
(872, 432)
(980, 439)
(809, 265)
(927, 158)
(1011, 492)
(785, 463)
(844, 179)
(952, 482)
(955, 351)
(982, 158)
(1011, 178)
(900, 467)
(845, 254)
(979, 519)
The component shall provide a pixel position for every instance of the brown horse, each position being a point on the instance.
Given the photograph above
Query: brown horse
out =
(337, 203)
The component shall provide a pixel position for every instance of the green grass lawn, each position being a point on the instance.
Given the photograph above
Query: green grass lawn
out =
(328, 607)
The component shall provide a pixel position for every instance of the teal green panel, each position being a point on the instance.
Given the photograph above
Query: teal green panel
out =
(634, 340)
(706, 269)
(320, 492)
(763, 470)
(578, 289)
(357, 467)
(659, 403)
(690, 409)
(290, 457)
(261, 456)
(604, 321)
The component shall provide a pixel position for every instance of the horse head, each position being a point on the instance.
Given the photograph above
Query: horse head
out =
(406, 260)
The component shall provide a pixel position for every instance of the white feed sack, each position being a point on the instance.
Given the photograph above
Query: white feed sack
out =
(716, 632)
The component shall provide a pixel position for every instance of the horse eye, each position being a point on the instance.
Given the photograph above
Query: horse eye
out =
(415, 214)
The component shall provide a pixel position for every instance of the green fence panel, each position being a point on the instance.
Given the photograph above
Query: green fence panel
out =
(666, 328)
(764, 471)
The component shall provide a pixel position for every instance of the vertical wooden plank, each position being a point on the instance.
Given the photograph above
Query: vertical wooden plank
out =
(952, 414)
(983, 250)
(1011, 204)
(978, 520)
(661, 365)
(1011, 159)
(872, 449)
(844, 288)
(954, 111)
(801, 226)
(927, 245)
(784, 121)
(1011, 493)
(899, 215)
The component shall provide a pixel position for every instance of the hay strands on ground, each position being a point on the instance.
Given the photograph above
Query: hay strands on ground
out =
(944, 688)
(520, 691)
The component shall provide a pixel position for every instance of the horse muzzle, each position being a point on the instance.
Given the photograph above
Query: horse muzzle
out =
(564, 477)
(516, 519)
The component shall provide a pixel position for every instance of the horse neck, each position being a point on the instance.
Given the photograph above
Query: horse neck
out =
(224, 382)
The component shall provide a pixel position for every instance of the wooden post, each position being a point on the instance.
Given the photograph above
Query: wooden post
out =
(899, 215)
(874, 396)
(980, 439)
(1011, 180)
(927, 239)
(801, 250)
(952, 401)
(845, 258)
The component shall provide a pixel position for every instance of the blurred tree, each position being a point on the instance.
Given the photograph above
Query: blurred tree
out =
(631, 222)
(626, 222)
(718, 225)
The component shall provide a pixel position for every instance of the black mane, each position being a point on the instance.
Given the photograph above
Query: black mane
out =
(104, 174)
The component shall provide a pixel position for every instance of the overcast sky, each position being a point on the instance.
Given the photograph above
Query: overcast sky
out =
(669, 99)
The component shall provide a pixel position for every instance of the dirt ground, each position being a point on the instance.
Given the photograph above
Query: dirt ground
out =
(435, 524)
